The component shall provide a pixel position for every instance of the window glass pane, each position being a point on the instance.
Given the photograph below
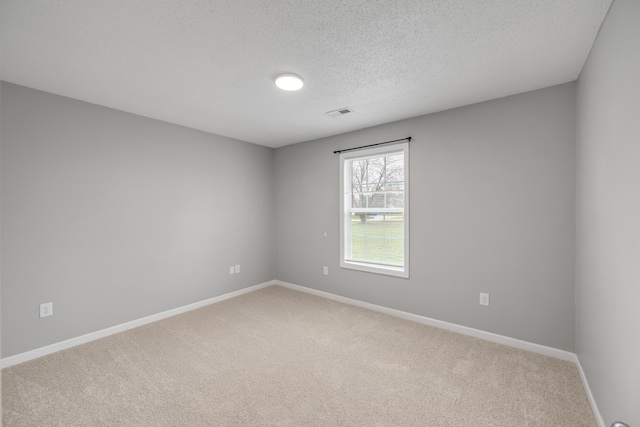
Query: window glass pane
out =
(377, 238)
(373, 178)
(358, 200)
(395, 199)
(377, 199)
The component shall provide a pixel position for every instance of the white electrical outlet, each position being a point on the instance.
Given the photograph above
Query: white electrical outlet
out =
(484, 299)
(325, 270)
(237, 268)
(46, 309)
(232, 270)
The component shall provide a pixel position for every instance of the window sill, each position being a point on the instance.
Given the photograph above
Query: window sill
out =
(369, 268)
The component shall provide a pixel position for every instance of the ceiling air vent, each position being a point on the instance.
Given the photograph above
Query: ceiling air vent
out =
(339, 112)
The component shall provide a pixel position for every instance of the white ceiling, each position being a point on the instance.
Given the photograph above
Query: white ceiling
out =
(209, 64)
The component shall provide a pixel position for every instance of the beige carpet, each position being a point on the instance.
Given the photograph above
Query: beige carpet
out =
(277, 357)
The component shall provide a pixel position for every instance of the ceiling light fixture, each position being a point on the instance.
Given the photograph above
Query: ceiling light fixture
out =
(289, 81)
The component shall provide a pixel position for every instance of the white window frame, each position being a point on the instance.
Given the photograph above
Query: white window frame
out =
(345, 211)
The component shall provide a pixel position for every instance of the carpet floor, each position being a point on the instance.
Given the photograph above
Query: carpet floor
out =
(278, 357)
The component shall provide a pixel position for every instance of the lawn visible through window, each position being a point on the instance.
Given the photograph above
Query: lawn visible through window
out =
(378, 238)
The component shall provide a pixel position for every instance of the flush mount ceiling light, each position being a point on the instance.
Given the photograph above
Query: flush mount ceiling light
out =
(289, 81)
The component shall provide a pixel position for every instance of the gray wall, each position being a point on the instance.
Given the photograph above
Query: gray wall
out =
(114, 217)
(608, 291)
(0, 249)
(492, 210)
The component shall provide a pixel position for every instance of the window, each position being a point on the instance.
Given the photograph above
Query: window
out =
(374, 206)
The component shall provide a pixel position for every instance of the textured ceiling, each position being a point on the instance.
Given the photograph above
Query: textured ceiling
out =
(210, 64)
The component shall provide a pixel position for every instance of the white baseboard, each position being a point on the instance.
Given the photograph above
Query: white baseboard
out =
(477, 333)
(62, 345)
(587, 390)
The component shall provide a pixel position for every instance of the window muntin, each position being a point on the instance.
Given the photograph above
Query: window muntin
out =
(374, 210)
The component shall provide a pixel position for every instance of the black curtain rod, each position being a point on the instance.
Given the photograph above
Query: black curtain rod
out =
(372, 145)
